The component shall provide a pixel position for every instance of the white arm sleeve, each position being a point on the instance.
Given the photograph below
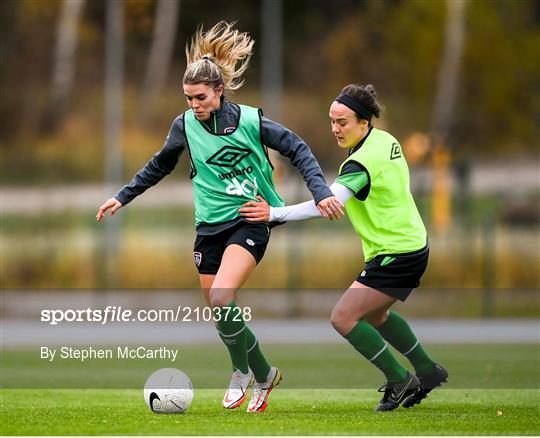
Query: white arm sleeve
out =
(307, 210)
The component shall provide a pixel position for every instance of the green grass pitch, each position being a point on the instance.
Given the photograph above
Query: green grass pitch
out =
(328, 390)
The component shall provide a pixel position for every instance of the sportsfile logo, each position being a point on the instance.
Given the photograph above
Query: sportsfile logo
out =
(119, 314)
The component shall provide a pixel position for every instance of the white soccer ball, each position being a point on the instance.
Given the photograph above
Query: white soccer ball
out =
(168, 391)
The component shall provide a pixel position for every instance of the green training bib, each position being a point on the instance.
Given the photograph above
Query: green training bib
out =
(387, 220)
(230, 169)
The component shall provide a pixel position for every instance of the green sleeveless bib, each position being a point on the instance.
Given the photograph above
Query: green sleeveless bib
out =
(387, 220)
(228, 170)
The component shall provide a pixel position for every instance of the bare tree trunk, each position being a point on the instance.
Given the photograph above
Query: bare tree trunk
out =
(160, 54)
(443, 118)
(450, 68)
(272, 58)
(110, 273)
(67, 38)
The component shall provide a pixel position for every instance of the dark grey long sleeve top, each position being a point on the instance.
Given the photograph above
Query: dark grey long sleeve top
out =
(273, 136)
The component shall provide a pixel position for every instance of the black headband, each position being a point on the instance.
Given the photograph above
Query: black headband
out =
(354, 104)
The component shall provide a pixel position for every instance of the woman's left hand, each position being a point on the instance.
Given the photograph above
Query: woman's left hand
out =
(256, 211)
(331, 208)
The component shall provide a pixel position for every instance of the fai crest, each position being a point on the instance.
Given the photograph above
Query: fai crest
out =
(197, 258)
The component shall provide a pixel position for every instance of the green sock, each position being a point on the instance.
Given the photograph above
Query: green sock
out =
(399, 335)
(369, 343)
(257, 361)
(232, 331)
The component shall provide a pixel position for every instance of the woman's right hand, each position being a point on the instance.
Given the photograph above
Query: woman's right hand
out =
(331, 207)
(256, 211)
(113, 204)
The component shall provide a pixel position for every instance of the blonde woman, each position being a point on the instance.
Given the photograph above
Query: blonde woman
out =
(227, 145)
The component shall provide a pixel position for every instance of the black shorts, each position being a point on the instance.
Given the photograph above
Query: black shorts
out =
(208, 250)
(395, 275)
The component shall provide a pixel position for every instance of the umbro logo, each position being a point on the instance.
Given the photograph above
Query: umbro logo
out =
(228, 156)
(395, 152)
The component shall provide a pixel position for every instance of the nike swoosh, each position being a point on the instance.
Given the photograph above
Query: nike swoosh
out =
(153, 396)
(403, 390)
(227, 400)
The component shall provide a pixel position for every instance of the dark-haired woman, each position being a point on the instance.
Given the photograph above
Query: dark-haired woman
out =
(373, 183)
(227, 145)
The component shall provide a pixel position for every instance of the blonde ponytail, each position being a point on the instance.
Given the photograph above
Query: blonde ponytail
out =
(219, 56)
